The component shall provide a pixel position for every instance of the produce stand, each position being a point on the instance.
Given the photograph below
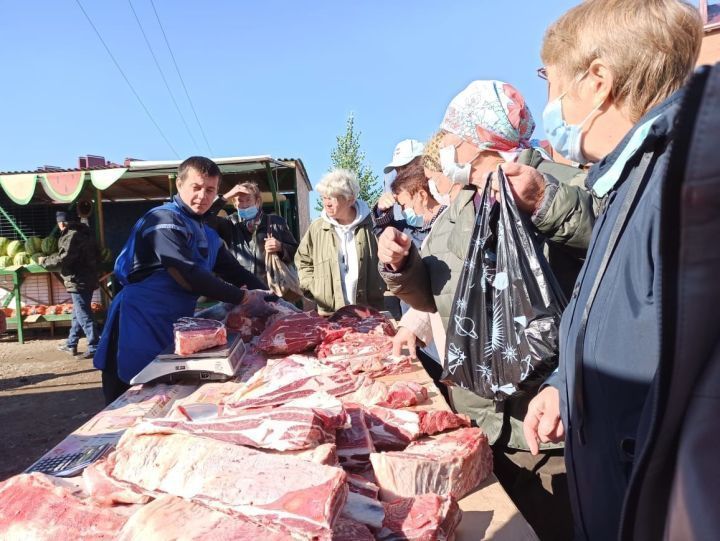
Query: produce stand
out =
(47, 289)
(488, 512)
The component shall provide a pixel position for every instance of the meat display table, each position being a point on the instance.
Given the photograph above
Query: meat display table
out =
(488, 512)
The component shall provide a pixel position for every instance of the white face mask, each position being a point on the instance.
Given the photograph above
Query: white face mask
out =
(443, 199)
(456, 172)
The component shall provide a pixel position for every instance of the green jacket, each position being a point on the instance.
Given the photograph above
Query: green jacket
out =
(430, 276)
(318, 264)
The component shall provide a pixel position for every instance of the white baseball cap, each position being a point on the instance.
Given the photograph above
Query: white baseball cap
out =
(405, 152)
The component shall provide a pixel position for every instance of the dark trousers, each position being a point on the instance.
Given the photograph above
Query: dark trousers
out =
(112, 385)
(538, 487)
(82, 319)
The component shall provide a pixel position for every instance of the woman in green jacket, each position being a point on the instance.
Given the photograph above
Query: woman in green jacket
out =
(337, 258)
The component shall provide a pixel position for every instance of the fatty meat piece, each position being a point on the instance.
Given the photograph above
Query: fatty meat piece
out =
(428, 517)
(450, 464)
(38, 507)
(269, 489)
(403, 394)
(194, 334)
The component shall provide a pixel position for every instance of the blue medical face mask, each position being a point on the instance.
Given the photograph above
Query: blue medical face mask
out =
(248, 213)
(412, 219)
(565, 138)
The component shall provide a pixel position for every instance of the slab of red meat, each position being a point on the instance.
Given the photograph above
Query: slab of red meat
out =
(349, 342)
(369, 394)
(361, 485)
(290, 378)
(299, 424)
(354, 443)
(194, 334)
(301, 496)
(172, 518)
(293, 333)
(403, 394)
(363, 319)
(38, 507)
(450, 464)
(347, 529)
(391, 428)
(428, 517)
(434, 422)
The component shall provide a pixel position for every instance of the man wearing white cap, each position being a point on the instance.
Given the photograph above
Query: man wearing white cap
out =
(406, 151)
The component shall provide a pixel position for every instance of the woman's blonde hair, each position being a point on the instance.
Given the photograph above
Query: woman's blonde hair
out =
(651, 46)
(339, 183)
(431, 154)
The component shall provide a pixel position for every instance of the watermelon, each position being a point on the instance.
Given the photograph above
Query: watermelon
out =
(13, 248)
(21, 258)
(48, 245)
(35, 258)
(4, 241)
(33, 245)
(5, 261)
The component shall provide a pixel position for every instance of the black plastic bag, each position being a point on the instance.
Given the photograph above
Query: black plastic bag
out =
(502, 335)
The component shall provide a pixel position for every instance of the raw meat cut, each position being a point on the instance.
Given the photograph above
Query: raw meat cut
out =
(361, 485)
(38, 507)
(325, 453)
(294, 333)
(450, 464)
(354, 443)
(374, 365)
(371, 394)
(434, 422)
(299, 424)
(403, 394)
(363, 319)
(194, 334)
(269, 489)
(347, 342)
(250, 317)
(347, 529)
(170, 518)
(291, 378)
(428, 517)
(392, 429)
(365, 510)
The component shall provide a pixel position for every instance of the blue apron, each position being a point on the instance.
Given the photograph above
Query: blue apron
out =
(146, 310)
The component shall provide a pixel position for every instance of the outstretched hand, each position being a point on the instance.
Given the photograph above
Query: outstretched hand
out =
(405, 339)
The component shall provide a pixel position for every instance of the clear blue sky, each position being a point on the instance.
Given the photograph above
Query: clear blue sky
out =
(266, 77)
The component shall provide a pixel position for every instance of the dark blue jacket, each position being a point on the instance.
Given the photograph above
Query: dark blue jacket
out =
(620, 351)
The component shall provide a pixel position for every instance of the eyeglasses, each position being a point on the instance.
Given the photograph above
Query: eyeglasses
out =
(542, 73)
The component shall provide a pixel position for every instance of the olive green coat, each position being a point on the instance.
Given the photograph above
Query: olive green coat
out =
(318, 266)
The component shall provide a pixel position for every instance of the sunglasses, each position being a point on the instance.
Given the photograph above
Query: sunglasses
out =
(542, 73)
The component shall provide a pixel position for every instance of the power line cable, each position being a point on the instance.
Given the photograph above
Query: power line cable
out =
(177, 69)
(117, 65)
(162, 74)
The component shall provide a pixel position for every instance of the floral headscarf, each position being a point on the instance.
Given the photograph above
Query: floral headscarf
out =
(491, 115)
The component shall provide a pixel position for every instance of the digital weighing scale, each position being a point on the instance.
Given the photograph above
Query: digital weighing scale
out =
(215, 364)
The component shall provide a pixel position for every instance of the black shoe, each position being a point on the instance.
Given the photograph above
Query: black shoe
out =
(68, 349)
(87, 355)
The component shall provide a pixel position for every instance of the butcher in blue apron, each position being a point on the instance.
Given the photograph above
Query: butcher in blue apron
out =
(170, 259)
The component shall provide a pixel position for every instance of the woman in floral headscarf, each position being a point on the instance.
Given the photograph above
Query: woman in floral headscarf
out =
(487, 124)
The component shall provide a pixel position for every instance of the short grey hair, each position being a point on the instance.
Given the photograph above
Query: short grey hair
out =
(339, 183)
